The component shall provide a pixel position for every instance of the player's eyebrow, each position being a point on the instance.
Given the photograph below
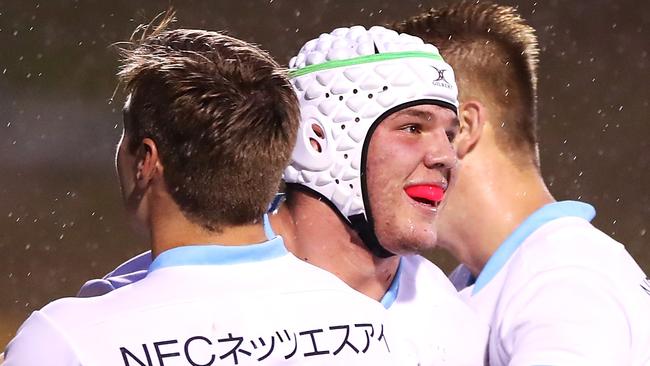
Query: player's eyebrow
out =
(416, 113)
(409, 112)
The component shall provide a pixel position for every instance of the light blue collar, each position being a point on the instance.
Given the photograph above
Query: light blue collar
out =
(192, 255)
(391, 295)
(540, 217)
(268, 230)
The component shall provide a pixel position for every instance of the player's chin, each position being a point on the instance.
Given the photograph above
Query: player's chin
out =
(416, 242)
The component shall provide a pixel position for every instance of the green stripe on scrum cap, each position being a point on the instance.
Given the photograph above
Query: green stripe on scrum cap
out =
(362, 60)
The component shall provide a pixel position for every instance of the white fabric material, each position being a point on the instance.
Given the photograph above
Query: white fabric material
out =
(569, 295)
(193, 314)
(427, 312)
(442, 329)
(345, 101)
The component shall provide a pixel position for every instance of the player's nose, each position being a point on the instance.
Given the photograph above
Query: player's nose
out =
(440, 154)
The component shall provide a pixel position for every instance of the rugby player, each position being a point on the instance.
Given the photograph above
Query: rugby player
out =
(210, 122)
(371, 166)
(554, 289)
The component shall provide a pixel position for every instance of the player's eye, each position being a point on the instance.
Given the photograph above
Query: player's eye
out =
(412, 128)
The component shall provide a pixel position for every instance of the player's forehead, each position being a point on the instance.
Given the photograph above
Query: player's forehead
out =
(425, 112)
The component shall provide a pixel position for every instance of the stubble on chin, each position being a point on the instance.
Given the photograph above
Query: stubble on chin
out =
(407, 239)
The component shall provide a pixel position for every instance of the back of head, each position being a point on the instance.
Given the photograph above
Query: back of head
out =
(494, 54)
(223, 116)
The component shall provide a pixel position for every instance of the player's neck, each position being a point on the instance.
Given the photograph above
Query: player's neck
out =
(507, 195)
(169, 228)
(316, 234)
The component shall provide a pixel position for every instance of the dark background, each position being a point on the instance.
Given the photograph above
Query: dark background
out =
(61, 220)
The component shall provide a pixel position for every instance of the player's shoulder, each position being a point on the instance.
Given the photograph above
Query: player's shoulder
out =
(72, 312)
(571, 242)
(430, 310)
(50, 334)
(423, 286)
(571, 252)
(40, 341)
(306, 278)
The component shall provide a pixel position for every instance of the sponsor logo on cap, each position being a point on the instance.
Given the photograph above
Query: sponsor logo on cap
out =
(440, 80)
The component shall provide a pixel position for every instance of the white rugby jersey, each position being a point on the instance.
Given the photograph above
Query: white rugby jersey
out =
(439, 328)
(560, 292)
(214, 305)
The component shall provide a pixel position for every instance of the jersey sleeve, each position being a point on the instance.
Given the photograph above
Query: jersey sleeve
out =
(98, 287)
(38, 343)
(567, 316)
(461, 277)
(133, 270)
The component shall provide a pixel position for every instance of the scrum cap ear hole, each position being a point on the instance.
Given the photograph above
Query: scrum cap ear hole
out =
(315, 145)
(318, 130)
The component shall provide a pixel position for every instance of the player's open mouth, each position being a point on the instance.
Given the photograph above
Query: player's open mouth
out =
(428, 195)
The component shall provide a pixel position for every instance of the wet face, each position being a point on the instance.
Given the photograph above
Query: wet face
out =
(409, 166)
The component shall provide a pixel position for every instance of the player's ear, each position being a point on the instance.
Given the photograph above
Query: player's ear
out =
(471, 116)
(148, 163)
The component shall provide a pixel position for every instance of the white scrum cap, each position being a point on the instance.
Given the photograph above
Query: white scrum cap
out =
(347, 82)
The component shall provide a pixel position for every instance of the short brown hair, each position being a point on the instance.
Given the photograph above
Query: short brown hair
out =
(493, 52)
(223, 116)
